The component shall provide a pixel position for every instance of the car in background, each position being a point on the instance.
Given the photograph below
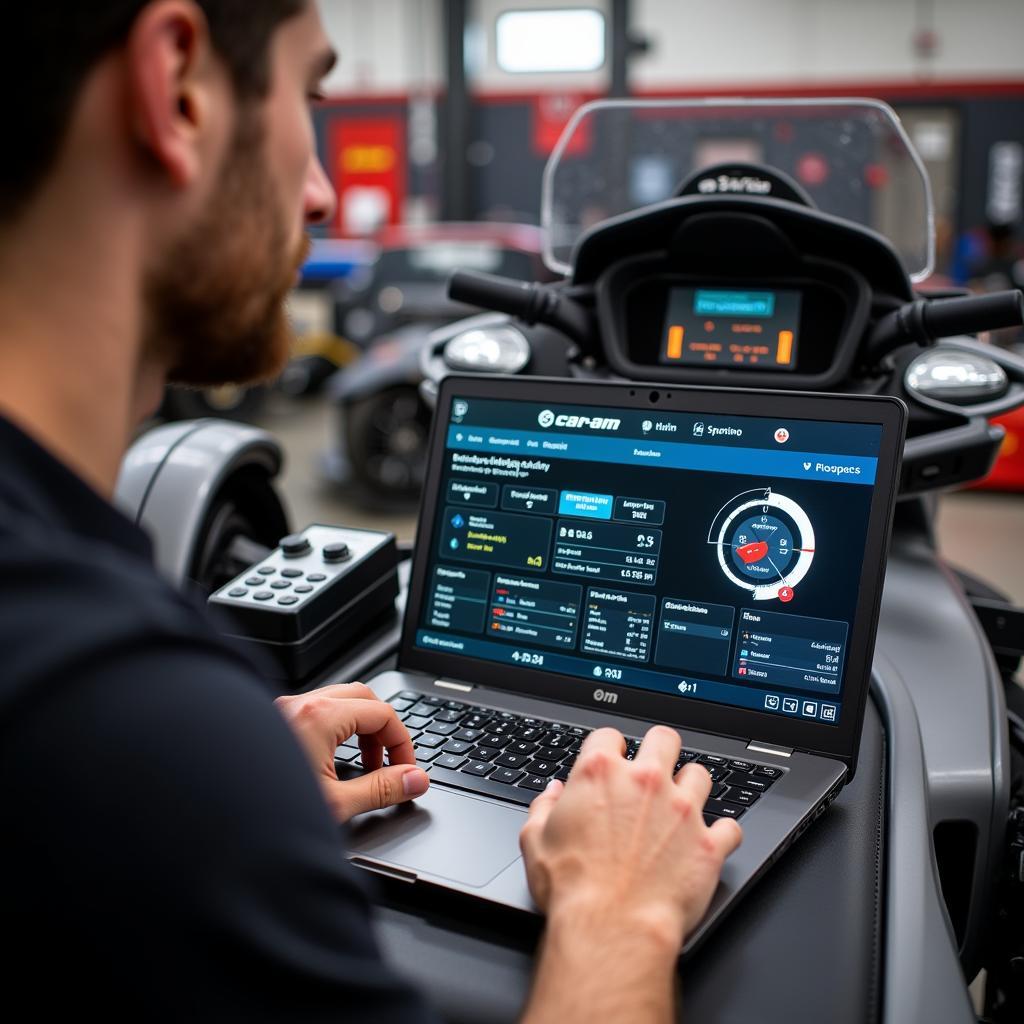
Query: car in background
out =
(391, 309)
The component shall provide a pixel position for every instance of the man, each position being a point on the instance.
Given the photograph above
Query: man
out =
(167, 853)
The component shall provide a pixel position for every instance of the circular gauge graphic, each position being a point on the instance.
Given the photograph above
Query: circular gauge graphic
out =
(765, 543)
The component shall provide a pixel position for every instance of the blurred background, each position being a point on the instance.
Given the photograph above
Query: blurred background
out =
(439, 119)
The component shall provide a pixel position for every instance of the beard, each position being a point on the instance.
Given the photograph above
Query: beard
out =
(216, 298)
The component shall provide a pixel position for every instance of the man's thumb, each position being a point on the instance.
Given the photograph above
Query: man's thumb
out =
(395, 784)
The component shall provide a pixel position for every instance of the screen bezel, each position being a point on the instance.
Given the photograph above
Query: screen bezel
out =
(840, 741)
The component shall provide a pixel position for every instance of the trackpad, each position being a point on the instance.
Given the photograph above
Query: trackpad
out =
(456, 837)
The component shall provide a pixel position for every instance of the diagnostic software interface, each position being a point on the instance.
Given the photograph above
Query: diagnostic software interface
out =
(717, 558)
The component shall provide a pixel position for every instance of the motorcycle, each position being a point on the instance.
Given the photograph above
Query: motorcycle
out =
(773, 244)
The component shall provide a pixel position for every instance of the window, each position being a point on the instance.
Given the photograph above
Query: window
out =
(562, 39)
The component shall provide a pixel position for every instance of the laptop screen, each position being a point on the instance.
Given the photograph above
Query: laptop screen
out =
(712, 558)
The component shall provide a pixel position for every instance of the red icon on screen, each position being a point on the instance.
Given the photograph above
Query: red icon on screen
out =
(753, 552)
(786, 594)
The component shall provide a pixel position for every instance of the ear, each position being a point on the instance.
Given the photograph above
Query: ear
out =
(168, 59)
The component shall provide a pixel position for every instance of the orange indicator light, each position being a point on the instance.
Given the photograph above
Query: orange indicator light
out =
(675, 342)
(785, 350)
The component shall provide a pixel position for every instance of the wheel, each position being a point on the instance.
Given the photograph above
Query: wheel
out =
(228, 402)
(244, 522)
(386, 440)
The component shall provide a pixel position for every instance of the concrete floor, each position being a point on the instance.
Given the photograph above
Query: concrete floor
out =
(979, 531)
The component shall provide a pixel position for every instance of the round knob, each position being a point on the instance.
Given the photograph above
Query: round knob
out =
(336, 552)
(294, 545)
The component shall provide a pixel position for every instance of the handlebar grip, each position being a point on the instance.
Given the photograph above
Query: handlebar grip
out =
(531, 302)
(501, 294)
(944, 318)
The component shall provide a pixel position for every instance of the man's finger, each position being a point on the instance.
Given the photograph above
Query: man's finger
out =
(660, 747)
(374, 791)
(540, 810)
(727, 834)
(696, 780)
(610, 740)
(347, 691)
(377, 726)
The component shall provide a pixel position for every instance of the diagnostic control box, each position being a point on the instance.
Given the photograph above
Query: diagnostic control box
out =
(311, 596)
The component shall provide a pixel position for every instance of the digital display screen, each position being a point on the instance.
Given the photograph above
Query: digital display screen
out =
(714, 558)
(731, 328)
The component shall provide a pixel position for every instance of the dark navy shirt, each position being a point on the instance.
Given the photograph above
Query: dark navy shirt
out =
(165, 851)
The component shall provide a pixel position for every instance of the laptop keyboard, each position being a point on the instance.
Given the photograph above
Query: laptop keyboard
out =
(514, 757)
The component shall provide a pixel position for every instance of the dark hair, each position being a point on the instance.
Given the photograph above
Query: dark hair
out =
(51, 45)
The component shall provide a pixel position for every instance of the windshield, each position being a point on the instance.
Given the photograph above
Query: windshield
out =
(851, 156)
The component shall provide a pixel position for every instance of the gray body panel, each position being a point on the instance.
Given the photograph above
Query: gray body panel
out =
(931, 645)
(171, 475)
(467, 843)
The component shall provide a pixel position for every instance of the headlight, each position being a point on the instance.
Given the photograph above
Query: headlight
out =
(499, 349)
(956, 376)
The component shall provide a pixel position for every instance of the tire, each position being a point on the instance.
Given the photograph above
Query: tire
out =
(386, 440)
(229, 402)
(243, 524)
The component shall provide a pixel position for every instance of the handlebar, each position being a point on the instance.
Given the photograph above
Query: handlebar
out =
(929, 319)
(533, 303)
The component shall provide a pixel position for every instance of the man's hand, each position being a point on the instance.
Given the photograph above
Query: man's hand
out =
(327, 717)
(624, 866)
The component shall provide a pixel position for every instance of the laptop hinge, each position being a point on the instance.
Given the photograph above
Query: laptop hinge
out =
(769, 748)
(461, 687)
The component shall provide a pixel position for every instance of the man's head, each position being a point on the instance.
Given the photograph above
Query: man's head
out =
(212, 145)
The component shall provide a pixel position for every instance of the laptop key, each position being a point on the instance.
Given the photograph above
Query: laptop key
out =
(742, 766)
(544, 768)
(480, 768)
(562, 774)
(423, 708)
(428, 741)
(448, 716)
(415, 721)
(345, 754)
(424, 755)
(521, 747)
(768, 771)
(509, 776)
(442, 728)
(713, 759)
(457, 747)
(755, 782)
(404, 695)
(538, 783)
(723, 809)
(401, 705)
(550, 754)
(508, 760)
(710, 819)
(717, 772)
(736, 795)
(455, 705)
(453, 761)
(470, 735)
(529, 732)
(485, 753)
(436, 701)
(561, 741)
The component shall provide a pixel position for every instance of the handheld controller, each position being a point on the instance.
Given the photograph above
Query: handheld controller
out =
(311, 595)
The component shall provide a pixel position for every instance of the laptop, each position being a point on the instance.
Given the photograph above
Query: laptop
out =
(615, 554)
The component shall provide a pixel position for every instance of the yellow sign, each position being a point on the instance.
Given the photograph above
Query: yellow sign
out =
(367, 159)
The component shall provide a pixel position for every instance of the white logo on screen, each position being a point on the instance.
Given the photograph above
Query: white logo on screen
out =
(606, 696)
(546, 418)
